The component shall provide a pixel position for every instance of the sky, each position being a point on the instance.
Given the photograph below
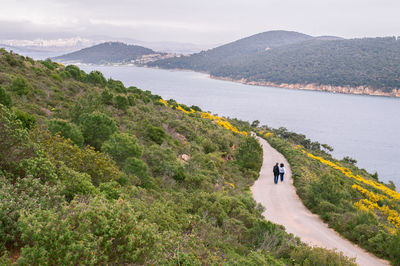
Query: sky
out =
(199, 22)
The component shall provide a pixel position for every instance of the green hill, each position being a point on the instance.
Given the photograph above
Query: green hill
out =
(108, 52)
(293, 58)
(371, 62)
(208, 60)
(94, 173)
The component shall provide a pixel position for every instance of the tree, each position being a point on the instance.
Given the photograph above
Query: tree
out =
(255, 123)
(107, 97)
(27, 120)
(75, 72)
(156, 134)
(97, 128)
(249, 154)
(5, 98)
(121, 102)
(67, 130)
(96, 78)
(120, 146)
(20, 86)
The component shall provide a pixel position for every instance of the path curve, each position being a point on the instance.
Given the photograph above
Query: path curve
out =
(284, 207)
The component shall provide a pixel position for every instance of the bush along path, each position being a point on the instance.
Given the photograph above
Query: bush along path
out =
(284, 207)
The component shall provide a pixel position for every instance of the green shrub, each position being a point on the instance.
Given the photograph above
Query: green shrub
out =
(96, 78)
(75, 72)
(27, 120)
(249, 154)
(49, 64)
(107, 97)
(88, 232)
(97, 128)
(5, 98)
(156, 134)
(121, 102)
(20, 86)
(27, 195)
(116, 86)
(179, 174)
(11, 60)
(121, 146)
(67, 130)
(111, 189)
(75, 183)
(15, 144)
(99, 166)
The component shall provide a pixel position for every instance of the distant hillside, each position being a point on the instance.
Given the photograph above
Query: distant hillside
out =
(207, 60)
(281, 58)
(108, 52)
(369, 62)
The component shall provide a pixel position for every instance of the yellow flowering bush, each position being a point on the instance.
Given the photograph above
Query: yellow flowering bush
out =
(348, 173)
(221, 121)
(370, 203)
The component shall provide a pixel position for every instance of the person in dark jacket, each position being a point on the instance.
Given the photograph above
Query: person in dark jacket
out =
(276, 173)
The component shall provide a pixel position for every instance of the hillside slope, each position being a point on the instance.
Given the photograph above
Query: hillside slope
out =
(93, 172)
(108, 52)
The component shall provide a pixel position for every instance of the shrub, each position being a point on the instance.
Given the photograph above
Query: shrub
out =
(27, 120)
(67, 130)
(96, 78)
(120, 146)
(5, 98)
(11, 60)
(99, 166)
(89, 232)
(27, 195)
(97, 128)
(116, 85)
(121, 102)
(179, 174)
(249, 154)
(20, 86)
(107, 97)
(75, 72)
(15, 144)
(75, 183)
(49, 64)
(156, 134)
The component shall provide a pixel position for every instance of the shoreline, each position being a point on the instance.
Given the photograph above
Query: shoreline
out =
(361, 90)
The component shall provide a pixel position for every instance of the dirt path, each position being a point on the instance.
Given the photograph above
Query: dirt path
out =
(284, 207)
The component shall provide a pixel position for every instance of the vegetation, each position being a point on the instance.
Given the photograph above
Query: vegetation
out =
(349, 199)
(108, 52)
(368, 62)
(213, 58)
(150, 184)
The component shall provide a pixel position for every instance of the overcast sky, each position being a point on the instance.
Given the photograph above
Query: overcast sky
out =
(201, 21)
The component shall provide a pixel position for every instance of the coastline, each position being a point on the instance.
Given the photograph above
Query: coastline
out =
(361, 90)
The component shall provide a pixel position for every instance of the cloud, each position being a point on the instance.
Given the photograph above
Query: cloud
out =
(206, 21)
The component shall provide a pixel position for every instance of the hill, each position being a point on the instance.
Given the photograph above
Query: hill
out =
(363, 66)
(207, 60)
(369, 62)
(93, 172)
(108, 52)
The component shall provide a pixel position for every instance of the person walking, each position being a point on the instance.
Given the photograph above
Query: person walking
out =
(281, 171)
(276, 173)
